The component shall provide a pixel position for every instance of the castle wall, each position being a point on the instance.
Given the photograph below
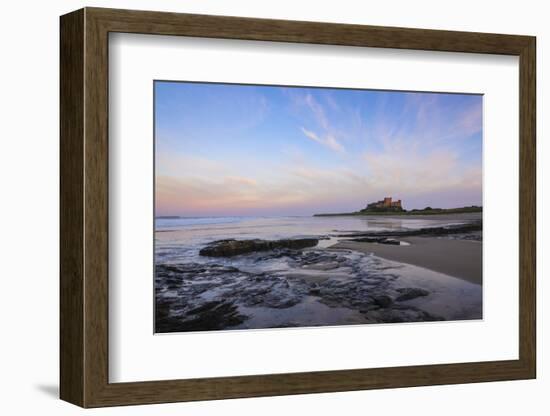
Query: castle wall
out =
(387, 202)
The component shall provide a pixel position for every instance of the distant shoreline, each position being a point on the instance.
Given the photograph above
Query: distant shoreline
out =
(431, 211)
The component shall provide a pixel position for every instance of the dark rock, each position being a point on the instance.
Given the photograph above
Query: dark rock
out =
(367, 239)
(473, 236)
(400, 314)
(379, 240)
(408, 293)
(383, 301)
(469, 227)
(209, 316)
(228, 248)
(315, 290)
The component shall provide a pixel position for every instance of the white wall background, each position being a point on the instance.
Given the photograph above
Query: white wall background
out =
(29, 207)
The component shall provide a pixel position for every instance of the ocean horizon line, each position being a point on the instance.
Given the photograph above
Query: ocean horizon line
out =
(229, 216)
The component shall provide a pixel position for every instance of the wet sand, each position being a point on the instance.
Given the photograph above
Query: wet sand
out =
(458, 258)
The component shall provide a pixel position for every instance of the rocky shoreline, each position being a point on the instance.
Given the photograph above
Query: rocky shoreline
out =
(236, 281)
(199, 297)
(232, 247)
(474, 226)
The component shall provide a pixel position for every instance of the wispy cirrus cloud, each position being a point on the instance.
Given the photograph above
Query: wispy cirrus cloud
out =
(471, 119)
(328, 140)
(318, 110)
(328, 134)
(427, 124)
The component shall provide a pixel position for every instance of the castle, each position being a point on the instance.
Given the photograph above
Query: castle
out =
(385, 205)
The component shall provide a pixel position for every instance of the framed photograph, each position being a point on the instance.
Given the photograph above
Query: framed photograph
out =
(255, 207)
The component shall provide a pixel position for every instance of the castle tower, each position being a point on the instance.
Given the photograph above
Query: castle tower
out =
(397, 204)
(387, 201)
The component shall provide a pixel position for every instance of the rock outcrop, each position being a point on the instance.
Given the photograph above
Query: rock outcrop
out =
(379, 240)
(228, 248)
(409, 293)
(428, 231)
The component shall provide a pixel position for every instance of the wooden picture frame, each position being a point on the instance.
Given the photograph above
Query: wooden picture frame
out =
(84, 207)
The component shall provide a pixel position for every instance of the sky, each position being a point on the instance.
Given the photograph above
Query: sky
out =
(250, 150)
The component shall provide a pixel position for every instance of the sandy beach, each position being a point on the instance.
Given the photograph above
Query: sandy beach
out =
(457, 258)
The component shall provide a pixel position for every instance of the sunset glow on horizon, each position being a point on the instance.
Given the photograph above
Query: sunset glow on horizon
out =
(248, 150)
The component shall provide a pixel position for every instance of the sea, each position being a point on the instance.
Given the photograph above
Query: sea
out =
(180, 239)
